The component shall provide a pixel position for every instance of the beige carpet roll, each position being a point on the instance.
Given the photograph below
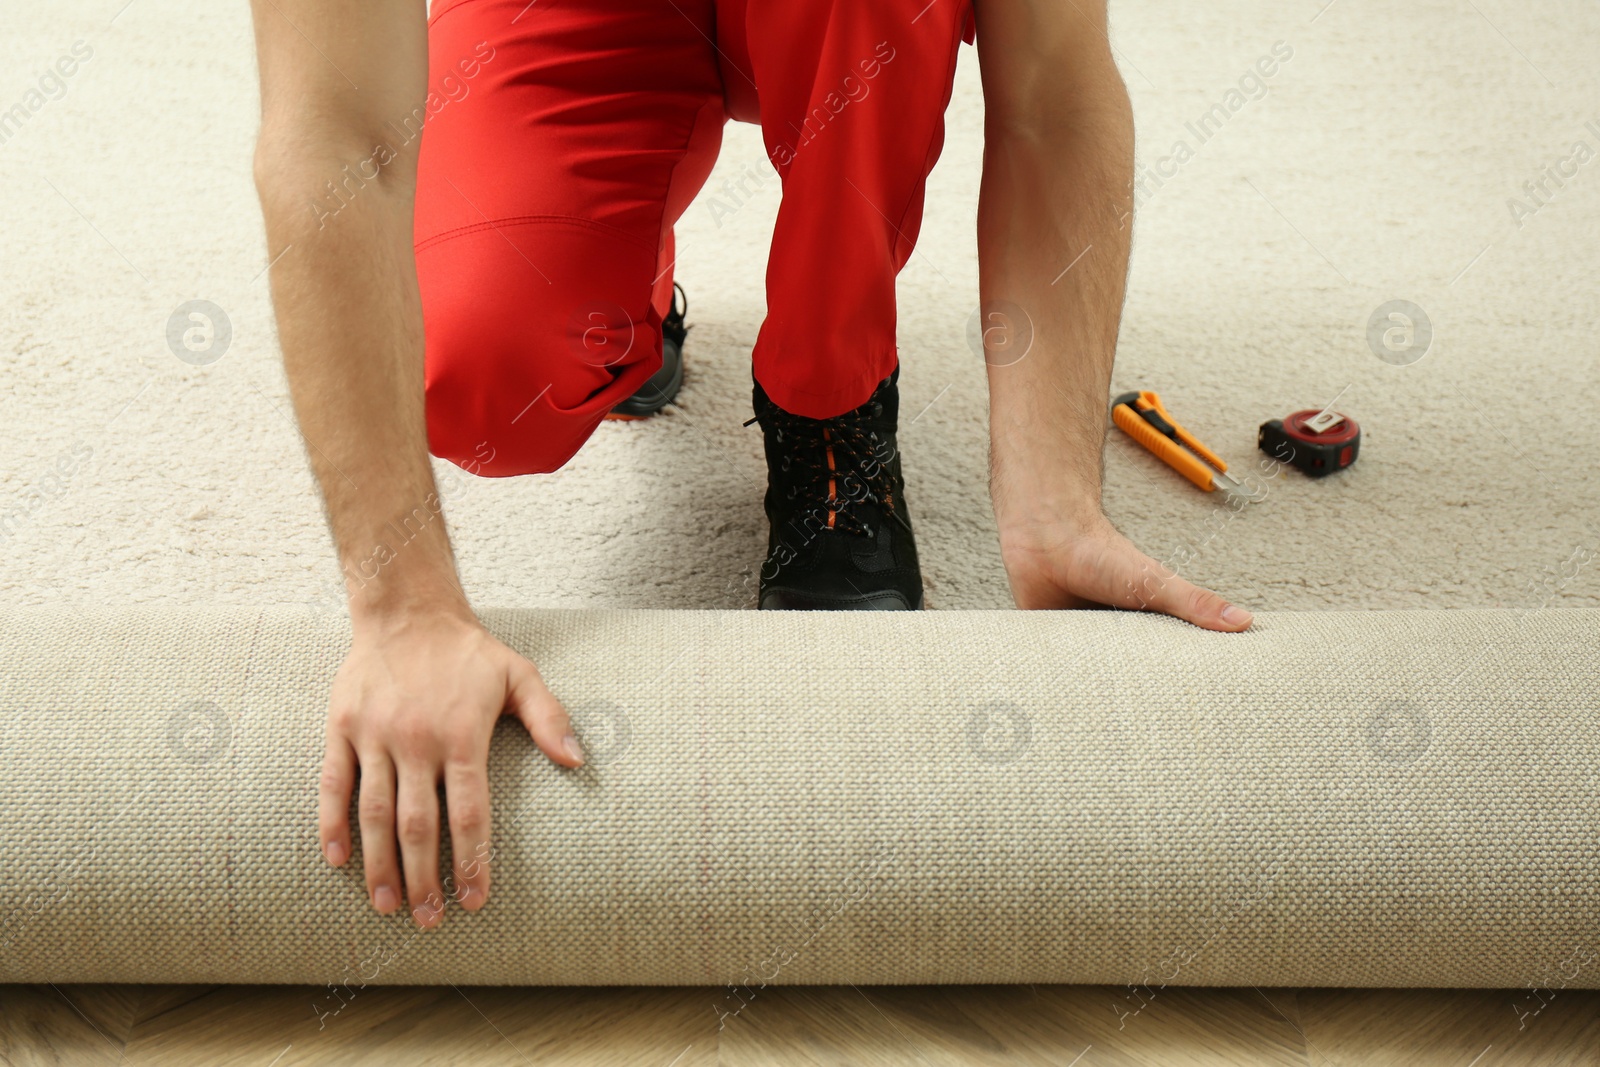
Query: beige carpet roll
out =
(1363, 799)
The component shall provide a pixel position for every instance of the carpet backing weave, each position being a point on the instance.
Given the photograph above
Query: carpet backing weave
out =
(1350, 799)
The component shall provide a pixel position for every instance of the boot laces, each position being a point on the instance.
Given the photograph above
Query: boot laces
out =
(834, 468)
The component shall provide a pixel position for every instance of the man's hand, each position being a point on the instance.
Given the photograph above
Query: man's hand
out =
(1054, 228)
(1091, 565)
(417, 699)
(414, 704)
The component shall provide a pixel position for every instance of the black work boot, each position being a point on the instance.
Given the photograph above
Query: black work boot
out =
(662, 387)
(839, 536)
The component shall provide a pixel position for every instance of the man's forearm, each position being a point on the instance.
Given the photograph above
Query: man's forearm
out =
(350, 325)
(1054, 226)
(416, 701)
(333, 77)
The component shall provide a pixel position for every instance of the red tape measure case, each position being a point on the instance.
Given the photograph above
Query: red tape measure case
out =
(1312, 441)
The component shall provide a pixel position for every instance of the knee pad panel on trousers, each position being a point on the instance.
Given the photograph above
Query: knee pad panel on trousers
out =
(535, 329)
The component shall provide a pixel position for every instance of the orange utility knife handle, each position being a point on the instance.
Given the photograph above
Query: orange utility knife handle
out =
(1150, 401)
(1165, 449)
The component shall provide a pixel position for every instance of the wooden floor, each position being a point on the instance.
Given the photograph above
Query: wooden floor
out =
(930, 1026)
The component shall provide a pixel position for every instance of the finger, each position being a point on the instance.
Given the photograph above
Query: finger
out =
(546, 720)
(375, 810)
(417, 826)
(1199, 606)
(337, 782)
(466, 796)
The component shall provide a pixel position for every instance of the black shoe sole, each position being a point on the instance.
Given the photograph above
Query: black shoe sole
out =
(795, 600)
(660, 390)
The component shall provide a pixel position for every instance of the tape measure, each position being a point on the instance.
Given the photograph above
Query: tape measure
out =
(1313, 441)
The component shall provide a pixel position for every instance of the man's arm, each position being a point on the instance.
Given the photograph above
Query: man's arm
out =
(1057, 193)
(417, 699)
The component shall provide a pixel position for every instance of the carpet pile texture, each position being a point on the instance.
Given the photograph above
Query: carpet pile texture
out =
(1375, 164)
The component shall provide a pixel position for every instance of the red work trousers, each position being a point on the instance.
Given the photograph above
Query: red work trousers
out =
(564, 138)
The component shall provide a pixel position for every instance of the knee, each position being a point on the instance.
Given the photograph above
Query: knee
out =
(487, 412)
(518, 372)
(507, 396)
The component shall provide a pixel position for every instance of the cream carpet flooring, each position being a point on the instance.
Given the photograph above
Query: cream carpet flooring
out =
(1040, 797)
(1376, 165)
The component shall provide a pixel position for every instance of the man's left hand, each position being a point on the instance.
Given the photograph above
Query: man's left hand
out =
(1090, 564)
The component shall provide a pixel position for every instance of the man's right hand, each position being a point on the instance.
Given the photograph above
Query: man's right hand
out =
(415, 703)
(417, 700)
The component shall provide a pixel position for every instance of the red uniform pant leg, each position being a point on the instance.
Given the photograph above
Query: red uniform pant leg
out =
(561, 142)
(852, 99)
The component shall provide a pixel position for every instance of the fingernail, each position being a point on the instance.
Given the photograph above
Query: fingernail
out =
(423, 914)
(570, 746)
(1235, 616)
(334, 850)
(466, 895)
(383, 899)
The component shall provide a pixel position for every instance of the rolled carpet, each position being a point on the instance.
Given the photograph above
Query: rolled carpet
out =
(1352, 799)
